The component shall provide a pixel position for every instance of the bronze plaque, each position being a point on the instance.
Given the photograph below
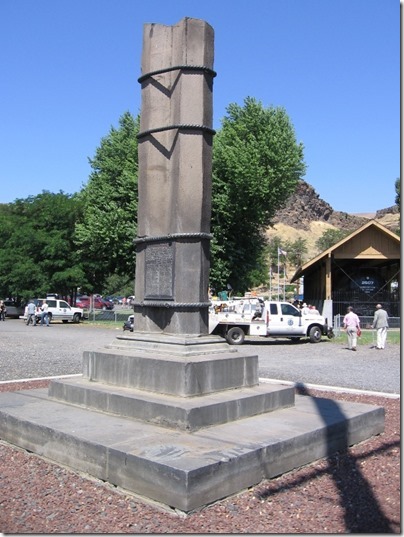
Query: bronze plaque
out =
(159, 270)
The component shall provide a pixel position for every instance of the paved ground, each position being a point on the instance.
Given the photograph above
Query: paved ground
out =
(330, 363)
(28, 352)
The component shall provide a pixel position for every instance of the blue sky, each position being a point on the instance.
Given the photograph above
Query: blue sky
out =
(69, 70)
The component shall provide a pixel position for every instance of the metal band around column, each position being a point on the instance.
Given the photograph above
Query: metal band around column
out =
(173, 237)
(188, 127)
(177, 305)
(202, 68)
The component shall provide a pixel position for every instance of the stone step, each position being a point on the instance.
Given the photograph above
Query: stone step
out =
(185, 413)
(184, 376)
(181, 469)
(172, 344)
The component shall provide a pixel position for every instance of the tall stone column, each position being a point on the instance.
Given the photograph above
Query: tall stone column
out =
(175, 164)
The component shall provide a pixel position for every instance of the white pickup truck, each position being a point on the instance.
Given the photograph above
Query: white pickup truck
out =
(58, 310)
(253, 317)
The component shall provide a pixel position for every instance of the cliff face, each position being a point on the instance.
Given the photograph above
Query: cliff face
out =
(306, 206)
(306, 216)
(389, 210)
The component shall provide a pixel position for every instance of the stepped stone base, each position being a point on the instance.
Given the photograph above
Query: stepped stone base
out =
(181, 469)
(188, 414)
(182, 429)
(183, 376)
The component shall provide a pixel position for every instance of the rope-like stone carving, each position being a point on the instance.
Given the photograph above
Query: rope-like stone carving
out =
(177, 305)
(202, 68)
(188, 127)
(173, 237)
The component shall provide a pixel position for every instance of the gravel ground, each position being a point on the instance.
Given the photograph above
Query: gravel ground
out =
(27, 352)
(32, 352)
(356, 491)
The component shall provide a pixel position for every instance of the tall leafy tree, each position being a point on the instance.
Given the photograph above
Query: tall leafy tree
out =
(37, 252)
(256, 166)
(105, 235)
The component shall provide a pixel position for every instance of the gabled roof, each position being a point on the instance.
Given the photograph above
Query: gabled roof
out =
(372, 223)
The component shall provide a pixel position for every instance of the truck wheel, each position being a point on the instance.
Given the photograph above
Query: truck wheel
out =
(76, 318)
(315, 334)
(235, 336)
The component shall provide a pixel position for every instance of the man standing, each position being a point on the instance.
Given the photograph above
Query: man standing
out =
(351, 325)
(44, 314)
(380, 322)
(3, 311)
(31, 313)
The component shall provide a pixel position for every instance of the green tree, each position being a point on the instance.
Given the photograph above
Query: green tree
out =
(37, 252)
(297, 251)
(330, 237)
(256, 166)
(118, 285)
(105, 235)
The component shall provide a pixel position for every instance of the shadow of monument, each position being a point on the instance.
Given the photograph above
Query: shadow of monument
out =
(362, 512)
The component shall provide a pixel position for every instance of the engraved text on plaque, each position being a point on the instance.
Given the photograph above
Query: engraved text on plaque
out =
(159, 271)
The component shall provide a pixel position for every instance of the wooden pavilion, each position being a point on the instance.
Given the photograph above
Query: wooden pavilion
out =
(361, 270)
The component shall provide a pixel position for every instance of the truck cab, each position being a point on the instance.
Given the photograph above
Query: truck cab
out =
(284, 319)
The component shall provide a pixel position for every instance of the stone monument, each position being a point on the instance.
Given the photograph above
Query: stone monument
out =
(170, 412)
(175, 166)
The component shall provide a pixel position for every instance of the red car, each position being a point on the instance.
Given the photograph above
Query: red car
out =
(95, 302)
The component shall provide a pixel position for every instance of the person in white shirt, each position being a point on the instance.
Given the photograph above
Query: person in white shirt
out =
(351, 325)
(44, 314)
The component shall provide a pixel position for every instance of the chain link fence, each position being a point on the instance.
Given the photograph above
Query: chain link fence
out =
(365, 321)
(115, 316)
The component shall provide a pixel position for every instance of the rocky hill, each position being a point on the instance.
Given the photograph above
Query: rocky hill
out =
(307, 216)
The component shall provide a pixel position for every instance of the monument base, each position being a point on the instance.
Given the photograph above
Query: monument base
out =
(184, 430)
(184, 375)
(187, 414)
(180, 469)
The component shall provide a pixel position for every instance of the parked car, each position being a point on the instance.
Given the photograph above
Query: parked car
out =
(108, 303)
(95, 302)
(115, 299)
(13, 309)
(58, 310)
